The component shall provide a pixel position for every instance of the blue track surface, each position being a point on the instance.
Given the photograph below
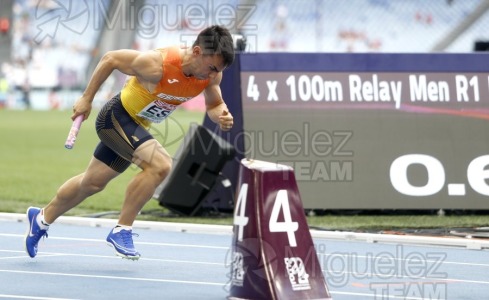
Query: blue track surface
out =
(75, 263)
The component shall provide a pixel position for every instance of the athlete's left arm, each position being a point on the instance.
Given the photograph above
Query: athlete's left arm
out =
(217, 109)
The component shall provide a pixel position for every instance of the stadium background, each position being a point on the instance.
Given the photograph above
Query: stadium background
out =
(55, 44)
(48, 48)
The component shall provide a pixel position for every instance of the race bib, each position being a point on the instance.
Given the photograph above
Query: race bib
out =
(157, 111)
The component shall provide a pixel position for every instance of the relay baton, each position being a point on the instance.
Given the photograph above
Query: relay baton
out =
(75, 127)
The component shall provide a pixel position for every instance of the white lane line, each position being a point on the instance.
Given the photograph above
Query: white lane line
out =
(363, 295)
(137, 242)
(57, 254)
(328, 273)
(387, 258)
(31, 297)
(332, 274)
(92, 276)
(228, 248)
(228, 230)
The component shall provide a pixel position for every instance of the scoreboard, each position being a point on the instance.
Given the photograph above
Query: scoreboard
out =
(370, 131)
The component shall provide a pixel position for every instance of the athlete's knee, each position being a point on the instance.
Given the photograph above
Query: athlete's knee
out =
(153, 159)
(91, 185)
(79, 186)
(168, 167)
(162, 168)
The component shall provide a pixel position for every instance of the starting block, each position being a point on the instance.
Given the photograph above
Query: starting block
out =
(273, 255)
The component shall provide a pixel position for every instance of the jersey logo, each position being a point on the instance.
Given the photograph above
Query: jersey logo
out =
(172, 98)
(172, 81)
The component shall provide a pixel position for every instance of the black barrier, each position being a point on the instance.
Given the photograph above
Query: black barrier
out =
(368, 131)
(196, 171)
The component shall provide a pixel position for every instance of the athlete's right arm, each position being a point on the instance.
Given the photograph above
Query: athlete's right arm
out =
(146, 66)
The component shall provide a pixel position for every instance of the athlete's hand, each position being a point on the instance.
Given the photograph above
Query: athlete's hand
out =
(226, 120)
(82, 106)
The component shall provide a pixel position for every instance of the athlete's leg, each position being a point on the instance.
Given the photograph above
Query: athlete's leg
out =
(78, 188)
(155, 163)
(71, 193)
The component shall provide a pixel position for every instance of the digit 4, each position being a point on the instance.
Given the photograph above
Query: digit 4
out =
(282, 204)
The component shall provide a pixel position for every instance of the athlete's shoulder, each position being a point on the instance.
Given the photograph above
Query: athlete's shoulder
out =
(169, 53)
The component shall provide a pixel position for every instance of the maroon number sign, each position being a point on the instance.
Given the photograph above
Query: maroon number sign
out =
(273, 252)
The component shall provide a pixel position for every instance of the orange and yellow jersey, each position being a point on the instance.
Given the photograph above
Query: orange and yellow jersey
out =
(173, 89)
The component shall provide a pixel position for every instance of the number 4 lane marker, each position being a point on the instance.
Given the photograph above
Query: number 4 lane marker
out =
(282, 203)
(240, 218)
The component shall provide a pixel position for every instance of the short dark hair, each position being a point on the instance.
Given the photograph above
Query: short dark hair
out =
(216, 40)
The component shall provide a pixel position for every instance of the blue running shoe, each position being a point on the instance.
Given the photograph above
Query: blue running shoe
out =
(122, 243)
(34, 233)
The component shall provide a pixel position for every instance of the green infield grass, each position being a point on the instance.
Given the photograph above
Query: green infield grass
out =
(34, 163)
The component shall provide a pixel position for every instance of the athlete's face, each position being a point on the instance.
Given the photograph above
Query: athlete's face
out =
(207, 66)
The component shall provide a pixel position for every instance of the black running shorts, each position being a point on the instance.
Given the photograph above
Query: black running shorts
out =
(119, 135)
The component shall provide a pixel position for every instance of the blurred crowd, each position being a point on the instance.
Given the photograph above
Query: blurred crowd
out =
(53, 42)
(51, 45)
